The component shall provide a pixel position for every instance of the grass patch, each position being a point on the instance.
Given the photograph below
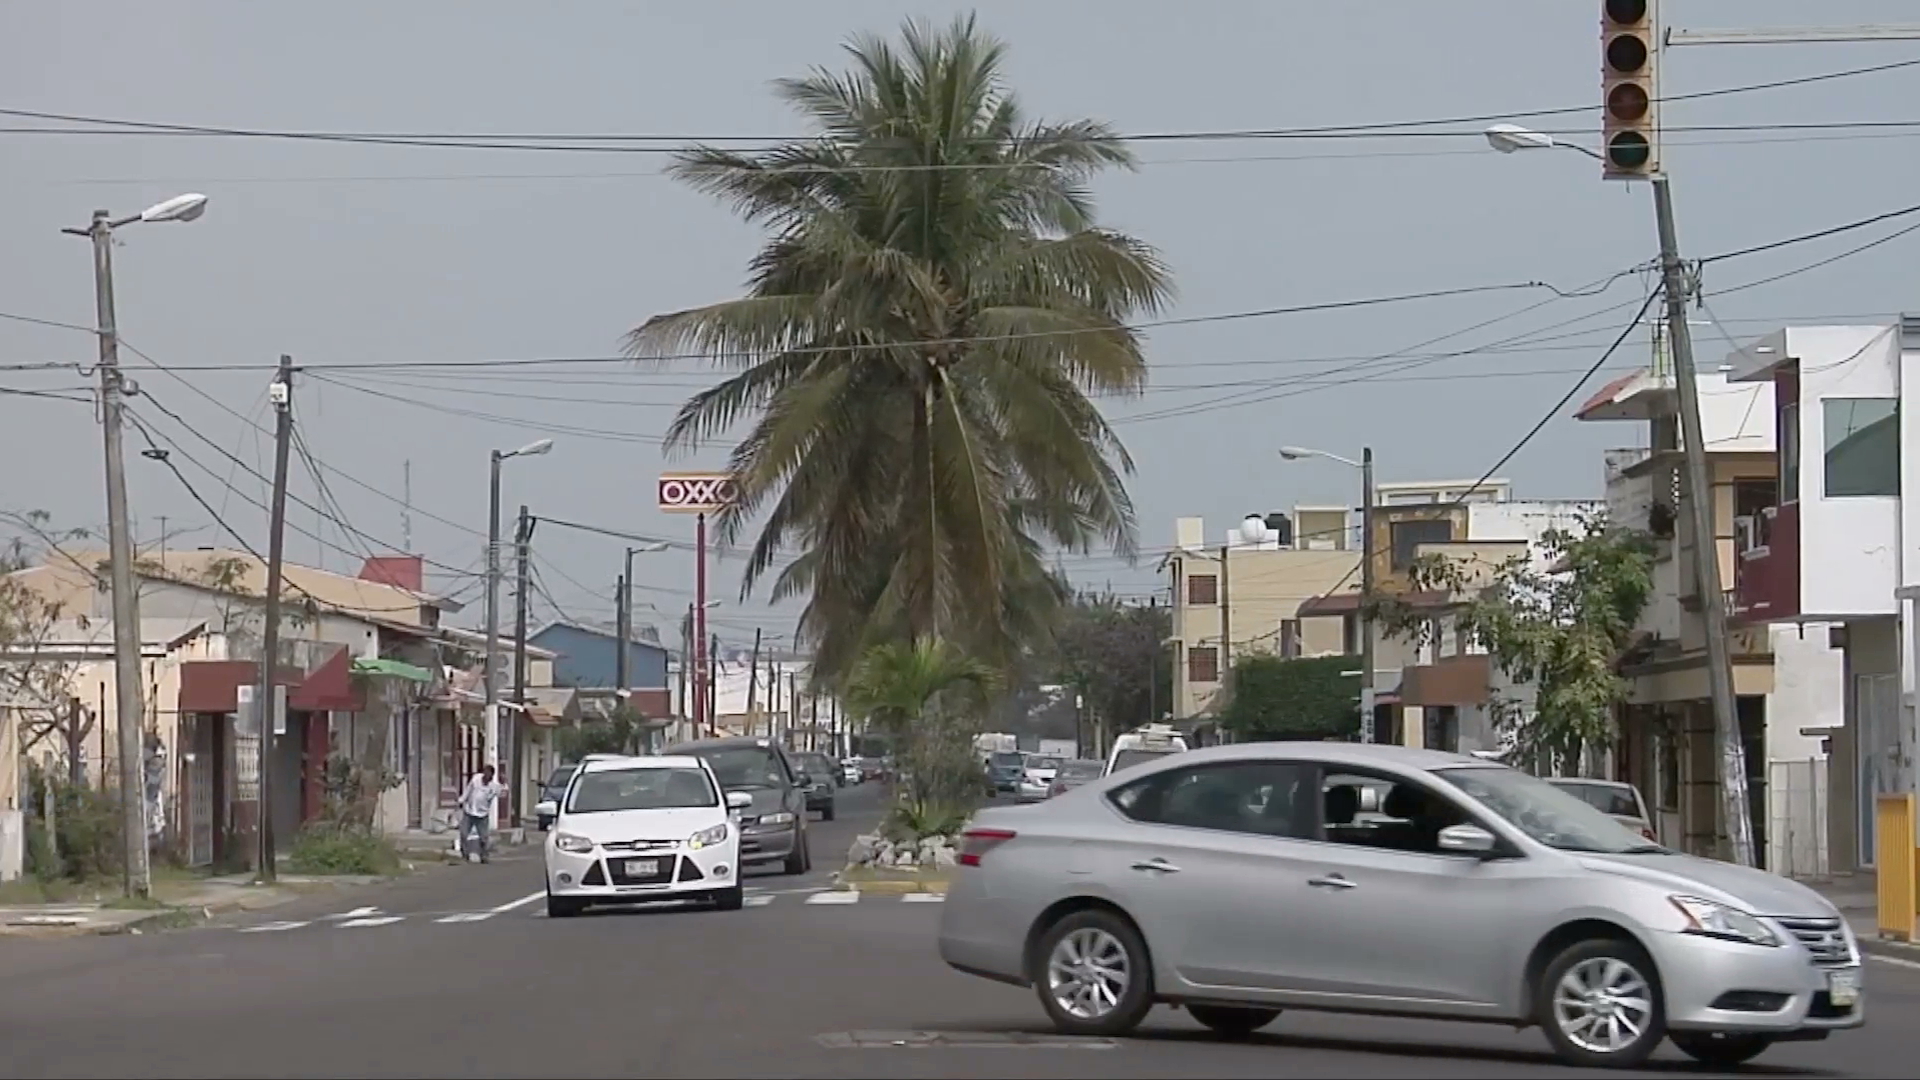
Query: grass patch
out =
(326, 850)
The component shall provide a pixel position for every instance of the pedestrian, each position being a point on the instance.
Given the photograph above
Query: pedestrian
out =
(476, 810)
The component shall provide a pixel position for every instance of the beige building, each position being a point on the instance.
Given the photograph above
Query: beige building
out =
(1244, 595)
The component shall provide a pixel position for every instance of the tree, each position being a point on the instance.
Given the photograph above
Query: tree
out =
(35, 685)
(1558, 634)
(1114, 656)
(621, 732)
(922, 337)
(1314, 697)
(927, 699)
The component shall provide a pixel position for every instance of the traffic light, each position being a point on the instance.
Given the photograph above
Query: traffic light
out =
(1629, 60)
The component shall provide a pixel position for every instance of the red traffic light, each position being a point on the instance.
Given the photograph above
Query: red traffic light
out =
(1626, 11)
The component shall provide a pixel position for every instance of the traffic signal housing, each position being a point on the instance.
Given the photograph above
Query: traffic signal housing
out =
(1629, 89)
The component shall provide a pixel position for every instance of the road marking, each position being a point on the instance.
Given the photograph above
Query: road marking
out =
(924, 898)
(466, 916)
(834, 898)
(268, 928)
(522, 902)
(384, 920)
(1896, 961)
(759, 901)
(356, 913)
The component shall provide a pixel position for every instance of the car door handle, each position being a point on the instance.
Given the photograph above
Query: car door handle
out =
(1331, 881)
(1161, 865)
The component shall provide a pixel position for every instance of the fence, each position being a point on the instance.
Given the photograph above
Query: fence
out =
(1797, 818)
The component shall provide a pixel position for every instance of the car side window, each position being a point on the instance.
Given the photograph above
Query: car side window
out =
(1370, 810)
(1261, 798)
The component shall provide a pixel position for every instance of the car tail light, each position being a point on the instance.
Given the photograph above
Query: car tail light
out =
(975, 843)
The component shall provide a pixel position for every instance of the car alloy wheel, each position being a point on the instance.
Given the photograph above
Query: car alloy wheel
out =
(1088, 973)
(1601, 1005)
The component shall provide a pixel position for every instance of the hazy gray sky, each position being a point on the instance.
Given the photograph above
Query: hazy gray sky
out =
(349, 254)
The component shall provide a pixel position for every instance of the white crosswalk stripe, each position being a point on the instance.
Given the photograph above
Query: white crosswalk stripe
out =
(369, 918)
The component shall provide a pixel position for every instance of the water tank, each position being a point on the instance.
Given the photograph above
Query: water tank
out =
(1281, 528)
(1253, 530)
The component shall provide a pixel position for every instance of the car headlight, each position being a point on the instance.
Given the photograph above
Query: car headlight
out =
(708, 837)
(1718, 920)
(578, 845)
(781, 818)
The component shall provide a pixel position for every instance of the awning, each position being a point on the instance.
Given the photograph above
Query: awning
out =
(397, 669)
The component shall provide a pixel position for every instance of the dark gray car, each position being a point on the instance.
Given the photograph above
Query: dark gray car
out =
(773, 827)
(825, 776)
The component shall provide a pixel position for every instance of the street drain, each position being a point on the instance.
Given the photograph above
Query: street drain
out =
(957, 1040)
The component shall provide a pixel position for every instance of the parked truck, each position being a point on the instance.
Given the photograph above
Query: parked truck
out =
(994, 742)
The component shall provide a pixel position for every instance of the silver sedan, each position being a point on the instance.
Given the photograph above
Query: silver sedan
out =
(1238, 881)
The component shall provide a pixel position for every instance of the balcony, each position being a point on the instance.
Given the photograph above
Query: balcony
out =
(1766, 578)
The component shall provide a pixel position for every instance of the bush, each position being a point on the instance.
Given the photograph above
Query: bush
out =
(332, 849)
(87, 831)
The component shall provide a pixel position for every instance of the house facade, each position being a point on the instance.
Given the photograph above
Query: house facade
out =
(1835, 551)
(1788, 680)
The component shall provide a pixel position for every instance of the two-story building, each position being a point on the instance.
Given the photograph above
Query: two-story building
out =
(1787, 680)
(1836, 548)
(1245, 595)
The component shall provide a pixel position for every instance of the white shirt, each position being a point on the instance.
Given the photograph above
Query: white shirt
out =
(480, 796)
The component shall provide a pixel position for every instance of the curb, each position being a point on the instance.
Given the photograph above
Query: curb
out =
(1893, 950)
(892, 888)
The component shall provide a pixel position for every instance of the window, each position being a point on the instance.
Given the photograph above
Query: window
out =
(1373, 811)
(1203, 664)
(747, 766)
(1203, 589)
(1409, 535)
(1265, 798)
(1789, 452)
(1862, 446)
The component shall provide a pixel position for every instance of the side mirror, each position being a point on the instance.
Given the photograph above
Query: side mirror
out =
(1467, 839)
(802, 780)
(738, 800)
(546, 808)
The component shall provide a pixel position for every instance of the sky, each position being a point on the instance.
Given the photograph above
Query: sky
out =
(343, 254)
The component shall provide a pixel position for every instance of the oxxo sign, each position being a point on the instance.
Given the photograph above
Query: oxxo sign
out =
(694, 493)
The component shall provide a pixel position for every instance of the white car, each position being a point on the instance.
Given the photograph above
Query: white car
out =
(634, 829)
(1149, 743)
(1037, 782)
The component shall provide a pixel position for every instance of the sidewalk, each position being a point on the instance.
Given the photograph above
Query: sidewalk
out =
(175, 903)
(1857, 897)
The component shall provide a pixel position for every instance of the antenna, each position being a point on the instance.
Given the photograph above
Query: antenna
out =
(406, 506)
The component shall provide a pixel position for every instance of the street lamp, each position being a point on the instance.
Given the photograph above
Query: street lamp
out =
(137, 878)
(1365, 465)
(1508, 138)
(490, 750)
(623, 613)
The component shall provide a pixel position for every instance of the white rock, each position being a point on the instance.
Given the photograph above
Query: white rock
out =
(862, 851)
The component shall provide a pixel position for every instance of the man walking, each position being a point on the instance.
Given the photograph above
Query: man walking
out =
(476, 810)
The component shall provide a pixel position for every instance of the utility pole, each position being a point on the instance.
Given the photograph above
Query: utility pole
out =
(753, 683)
(622, 625)
(523, 581)
(406, 505)
(1706, 545)
(136, 876)
(713, 684)
(686, 669)
(1367, 697)
(490, 669)
(268, 708)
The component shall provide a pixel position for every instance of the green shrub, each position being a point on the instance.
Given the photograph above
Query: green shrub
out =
(86, 833)
(330, 849)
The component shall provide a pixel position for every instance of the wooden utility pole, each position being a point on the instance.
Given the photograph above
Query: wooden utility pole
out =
(523, 581)
(753, 687)
(268, 708)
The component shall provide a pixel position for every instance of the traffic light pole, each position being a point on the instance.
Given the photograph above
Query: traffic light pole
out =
(1706, 543)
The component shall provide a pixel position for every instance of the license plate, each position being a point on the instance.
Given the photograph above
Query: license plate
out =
(642, 867)
(1843, 987)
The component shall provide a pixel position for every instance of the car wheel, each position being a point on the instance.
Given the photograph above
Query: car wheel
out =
(826, 814)
(1600, 1003)
(797, 860)
(1720, 1048)
(1232, 1022)
(730, 899)
(563, 907)
(1094, 977)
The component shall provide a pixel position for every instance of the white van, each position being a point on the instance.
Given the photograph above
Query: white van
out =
(1143, 744)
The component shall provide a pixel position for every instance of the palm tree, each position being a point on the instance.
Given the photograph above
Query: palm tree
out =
(928, 697)
(922, 336)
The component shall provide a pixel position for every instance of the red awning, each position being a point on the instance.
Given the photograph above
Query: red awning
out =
(213, 686)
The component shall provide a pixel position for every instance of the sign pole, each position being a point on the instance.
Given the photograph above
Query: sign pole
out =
(700, 494)
(702, 706)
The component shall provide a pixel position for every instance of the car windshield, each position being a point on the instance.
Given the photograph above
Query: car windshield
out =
(746, 766)
(1616, 799)
(1006, 761)
(560, 777)
(1556, 818)
(641, 789)
(1127, 759)
(817, 765)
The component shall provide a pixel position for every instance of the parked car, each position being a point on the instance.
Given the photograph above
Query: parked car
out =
(1036, 777)
(1004, 770)
(1072, 774)
(823, 776)
(548, 807)
(1237, 881)
(635, 829)
(1620, 801)
(851, 772)
(773, 821)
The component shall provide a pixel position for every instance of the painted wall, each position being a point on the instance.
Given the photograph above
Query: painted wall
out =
(1849, 546)
(590, 660)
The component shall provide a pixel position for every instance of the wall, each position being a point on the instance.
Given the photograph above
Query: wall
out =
(591, 660)
(1264, 589)
(1529, 520)
(1849, 546)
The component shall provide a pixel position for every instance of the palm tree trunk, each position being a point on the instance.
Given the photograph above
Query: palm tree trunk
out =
(922, 607)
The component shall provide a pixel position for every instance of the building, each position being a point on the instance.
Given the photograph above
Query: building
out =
(1245, 594)
(1834, 547)
(1788, 681)
(587, 659)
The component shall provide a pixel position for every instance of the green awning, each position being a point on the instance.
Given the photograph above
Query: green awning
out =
(394, 668)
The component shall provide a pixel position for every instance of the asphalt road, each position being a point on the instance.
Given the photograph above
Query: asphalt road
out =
(785, 988)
